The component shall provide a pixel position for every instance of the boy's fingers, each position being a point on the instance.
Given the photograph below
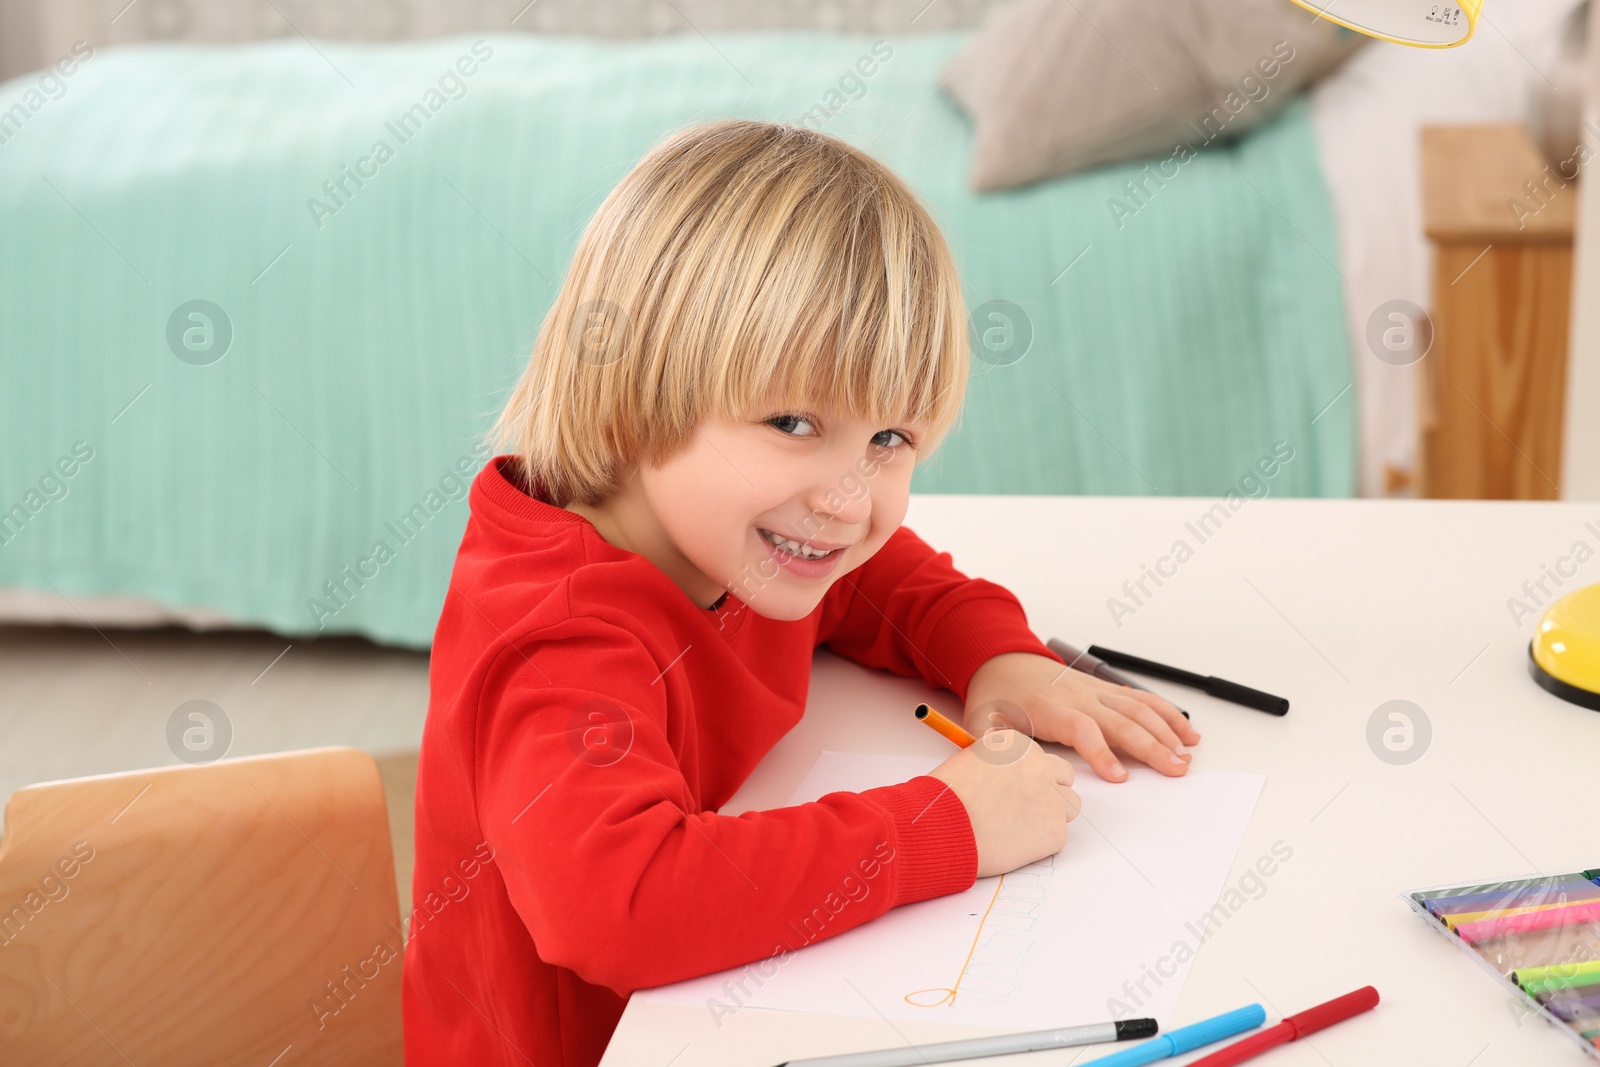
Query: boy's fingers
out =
(1085, 736)
(1073, 801)
(1004, 746)
(1143, 714)
(1167, 710)
(1139, 743)
(1064, 771)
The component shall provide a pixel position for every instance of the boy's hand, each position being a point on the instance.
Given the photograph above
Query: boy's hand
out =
(1057, 703)
(1018, 796)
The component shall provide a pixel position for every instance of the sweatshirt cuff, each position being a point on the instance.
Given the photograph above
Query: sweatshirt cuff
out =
(935, 852)
(977, 629)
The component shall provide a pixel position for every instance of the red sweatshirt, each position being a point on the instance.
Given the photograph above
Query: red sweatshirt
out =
(587, 719)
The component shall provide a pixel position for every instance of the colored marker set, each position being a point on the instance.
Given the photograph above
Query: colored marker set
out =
(1539, 935)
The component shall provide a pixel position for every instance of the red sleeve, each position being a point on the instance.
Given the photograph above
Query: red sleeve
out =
(617, 874)
(908, 610)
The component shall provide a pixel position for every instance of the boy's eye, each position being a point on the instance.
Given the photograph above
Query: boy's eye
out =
(877, 438)
(788, 423)
(797, 425)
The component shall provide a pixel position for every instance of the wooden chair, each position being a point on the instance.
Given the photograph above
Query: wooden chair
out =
(241, 912)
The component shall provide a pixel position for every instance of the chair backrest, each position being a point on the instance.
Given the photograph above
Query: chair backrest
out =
(240, 912)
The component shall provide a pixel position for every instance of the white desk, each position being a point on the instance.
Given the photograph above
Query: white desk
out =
(1341, 606)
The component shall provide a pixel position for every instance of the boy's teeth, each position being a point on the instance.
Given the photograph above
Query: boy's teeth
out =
(794, 547)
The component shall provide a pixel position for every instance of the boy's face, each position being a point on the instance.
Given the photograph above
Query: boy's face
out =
(819, 479)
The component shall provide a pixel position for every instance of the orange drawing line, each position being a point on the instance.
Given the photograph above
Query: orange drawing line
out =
(951, 999)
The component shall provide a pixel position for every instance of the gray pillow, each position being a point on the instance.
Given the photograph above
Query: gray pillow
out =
(1055, 86)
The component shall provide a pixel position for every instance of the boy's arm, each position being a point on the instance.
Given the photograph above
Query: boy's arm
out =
(617, 873)
(908, 610)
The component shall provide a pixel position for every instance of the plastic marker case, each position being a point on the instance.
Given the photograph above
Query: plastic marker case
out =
(1548, 958)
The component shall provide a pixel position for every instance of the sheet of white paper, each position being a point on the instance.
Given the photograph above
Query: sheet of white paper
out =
(1107, 928)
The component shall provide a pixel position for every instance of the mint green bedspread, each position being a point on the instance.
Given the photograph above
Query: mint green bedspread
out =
(373, 331)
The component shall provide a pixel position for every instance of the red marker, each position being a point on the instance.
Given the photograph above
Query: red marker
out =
(1307, 1022)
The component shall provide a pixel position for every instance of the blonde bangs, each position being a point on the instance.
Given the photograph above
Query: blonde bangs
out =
(740, 270)
(855, 319)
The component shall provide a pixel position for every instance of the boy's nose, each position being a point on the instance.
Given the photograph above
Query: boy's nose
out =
(843, 504)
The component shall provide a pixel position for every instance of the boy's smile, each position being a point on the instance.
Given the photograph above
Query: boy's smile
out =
(772, 510)
(807, 559)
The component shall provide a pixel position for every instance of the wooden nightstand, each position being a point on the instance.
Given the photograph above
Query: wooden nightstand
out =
(1493, 384)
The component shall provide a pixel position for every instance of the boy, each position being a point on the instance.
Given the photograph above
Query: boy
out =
(761, 332)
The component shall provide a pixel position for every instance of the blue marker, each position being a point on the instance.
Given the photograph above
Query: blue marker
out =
(1185, 1039)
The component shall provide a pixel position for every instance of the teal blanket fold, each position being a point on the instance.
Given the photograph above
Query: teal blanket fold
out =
(257, 304)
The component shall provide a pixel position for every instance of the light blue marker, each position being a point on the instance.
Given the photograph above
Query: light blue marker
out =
(1185, 1039)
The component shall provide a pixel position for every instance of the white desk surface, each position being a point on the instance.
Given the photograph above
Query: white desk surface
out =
(1340, 606)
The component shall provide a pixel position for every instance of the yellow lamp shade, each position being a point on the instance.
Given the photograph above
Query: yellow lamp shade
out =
(1414, 22)
(1564, 655)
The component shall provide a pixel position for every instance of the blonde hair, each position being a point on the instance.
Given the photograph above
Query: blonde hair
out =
(739, 267)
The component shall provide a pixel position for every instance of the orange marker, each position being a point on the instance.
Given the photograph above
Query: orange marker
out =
(950, 728)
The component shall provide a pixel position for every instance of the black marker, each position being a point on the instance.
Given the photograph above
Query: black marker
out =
(1094, 665)
(1220, 688)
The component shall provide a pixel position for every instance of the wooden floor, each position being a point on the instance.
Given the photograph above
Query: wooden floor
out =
(75, 702)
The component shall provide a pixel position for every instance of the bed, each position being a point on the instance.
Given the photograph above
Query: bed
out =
(356, 334)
